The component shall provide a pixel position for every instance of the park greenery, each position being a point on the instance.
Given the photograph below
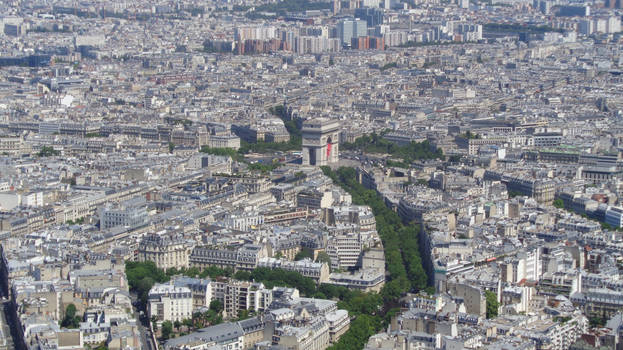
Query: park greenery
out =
(360, 330)
(279, 277)
(166, 330)
(304, 253)
(210, 317)
(597, 322)
(513, 194)
(268, 147)
(492, 304)
(102, 346)
(470, 135)
(397, 163)
(356, 302)
(389, 66)
(264, 167)
(70, 320)
(142, 276)
(374, 143)
(47, 151)
(223, 152)
(79, 221)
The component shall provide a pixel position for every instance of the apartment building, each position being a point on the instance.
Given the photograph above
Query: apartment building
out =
(314, 336)
(319, 272)
(200, 289)
(339, 323)
(344, 250)
(314, 199)
(614, 216)
(366, 279)
(130, 213)
(245, 257)
(167, 302)
(165, 251)
(542, 191)
(598, 302)
(237, 296)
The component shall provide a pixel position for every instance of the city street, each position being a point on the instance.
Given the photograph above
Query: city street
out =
(143, 325)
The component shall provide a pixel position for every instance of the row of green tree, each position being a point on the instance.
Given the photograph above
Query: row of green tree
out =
(264, 167)
(492, 304)
(47, 151)
(389, 66)
(143, 275)
(470, 135)
(355, 302)
(400, 241)
(279, 277)
(260, 147)
(308, 253)
(395, 163)
(268, 147)
(402, 258)
(367, 307)
(210, 317)
(374, 143)
(293, 126)
(237, 156)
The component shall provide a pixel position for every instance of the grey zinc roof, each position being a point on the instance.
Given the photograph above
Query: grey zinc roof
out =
(251, 324)
(220, 333)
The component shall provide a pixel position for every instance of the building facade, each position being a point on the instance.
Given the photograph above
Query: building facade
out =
(167, 302)
(165, 251)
